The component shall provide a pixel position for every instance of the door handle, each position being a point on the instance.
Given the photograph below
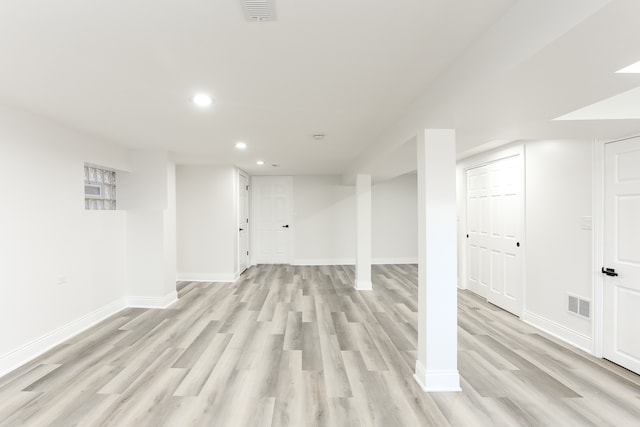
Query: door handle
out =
(609, 271)
(285, 226)
(242, 229)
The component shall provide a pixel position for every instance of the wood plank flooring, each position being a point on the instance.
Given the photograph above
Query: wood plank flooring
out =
(297, 346)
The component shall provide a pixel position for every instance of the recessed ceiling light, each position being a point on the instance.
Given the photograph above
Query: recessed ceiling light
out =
(202, 100)
(260, 162)
(241, 145)
(631, 69)
(318, 136)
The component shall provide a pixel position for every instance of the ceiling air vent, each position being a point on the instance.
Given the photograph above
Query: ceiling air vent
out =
(259, 10)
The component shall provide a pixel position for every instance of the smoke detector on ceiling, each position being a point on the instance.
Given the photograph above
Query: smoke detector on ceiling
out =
(259, 10)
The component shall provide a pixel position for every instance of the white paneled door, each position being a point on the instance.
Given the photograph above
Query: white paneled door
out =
(494, 232)
(622, 253)
(272, 215)
(243, 223)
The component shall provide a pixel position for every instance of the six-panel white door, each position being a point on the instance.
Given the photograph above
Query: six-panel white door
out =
(494, 226)
(622, 253)
(272, 201)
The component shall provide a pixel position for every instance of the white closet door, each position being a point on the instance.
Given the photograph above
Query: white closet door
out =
(495, 223)
(622, 253)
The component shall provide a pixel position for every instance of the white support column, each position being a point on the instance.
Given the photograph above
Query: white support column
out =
(437, 364)
(363, 233)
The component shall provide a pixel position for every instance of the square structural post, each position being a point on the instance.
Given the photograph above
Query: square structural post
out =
(363, 233)
(437, 364)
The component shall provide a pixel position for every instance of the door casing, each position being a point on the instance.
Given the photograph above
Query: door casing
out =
(257, 217)
(598, 243)
(243, 221)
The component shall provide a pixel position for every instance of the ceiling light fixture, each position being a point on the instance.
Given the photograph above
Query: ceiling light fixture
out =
(241, 145)
(202, 100)
(260, 163)
(318, 136)
(631, 69)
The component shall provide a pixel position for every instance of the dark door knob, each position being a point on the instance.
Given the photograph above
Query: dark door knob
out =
(242, 229)
(285, 226)
(609, 271)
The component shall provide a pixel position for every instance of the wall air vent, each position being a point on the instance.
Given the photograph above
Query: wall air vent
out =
(579, 306)
(259, 10)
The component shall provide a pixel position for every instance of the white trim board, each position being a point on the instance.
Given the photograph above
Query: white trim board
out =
(152, 302)
(576, 339)
(36, 348)
(436, 381)
(384, 261)
(208, 277)
(363, 285)
(326, 261)
(23, 355)
(352, 261)
(597, 243)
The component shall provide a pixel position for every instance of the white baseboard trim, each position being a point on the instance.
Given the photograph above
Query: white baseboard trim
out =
(22, 355)
(352, 261)
(16, 358)
(382, 261)
(208, 277)
(363, 285)
(482, 293)
(435, 381)
(576, 339)
(325, 261)
(152, 302)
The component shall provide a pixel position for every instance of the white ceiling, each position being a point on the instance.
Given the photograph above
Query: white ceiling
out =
(541, 60)
(625, 106)
(125, 71)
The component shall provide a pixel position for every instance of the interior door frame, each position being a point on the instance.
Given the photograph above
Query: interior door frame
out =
(597, 324)
(241, 173)
(476, 161)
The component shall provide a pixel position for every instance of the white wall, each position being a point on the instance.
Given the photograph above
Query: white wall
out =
(558, 254)
(323, 227)
(206, 222)
(395, 220)
(64, 268)
(47, 236)
(324, 221)
(145, 186)
(558, 194)
(147, 192)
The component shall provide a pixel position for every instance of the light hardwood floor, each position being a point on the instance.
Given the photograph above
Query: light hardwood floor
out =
(297, 346)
